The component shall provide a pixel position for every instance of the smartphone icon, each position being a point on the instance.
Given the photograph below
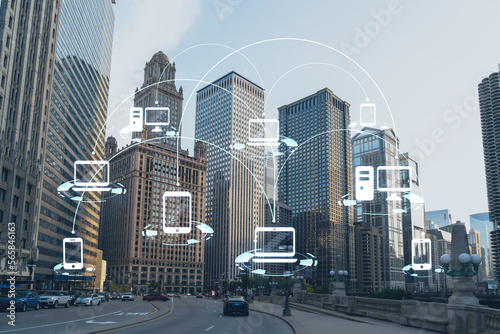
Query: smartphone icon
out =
(176, 212)
(136, 119)
(421, 254)
(367, 114)
(364, 183)
(73, 253)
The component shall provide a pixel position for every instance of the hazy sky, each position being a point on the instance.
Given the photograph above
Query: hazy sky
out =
(424, 58)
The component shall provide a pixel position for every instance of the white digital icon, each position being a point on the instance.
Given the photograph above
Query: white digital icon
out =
(260, 135)
(177, 212)
(367, 114)
(364, 183)
(73, 253)
(91, 175)
(274, 244)
(388, 177)
(136, 119)
(421, 254)
(157, 117)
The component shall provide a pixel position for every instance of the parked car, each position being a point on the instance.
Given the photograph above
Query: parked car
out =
(23, 301)
(235, 305)
(115, 296)
(127, 296)
(55, 298)
(178, 295)
(88, 299)
(104, 295)
(155, 296)
(188, 295)
(199, 295)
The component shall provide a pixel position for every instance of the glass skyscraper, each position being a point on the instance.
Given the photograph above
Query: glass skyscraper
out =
(75, 127)
(481, 223)
(235, 176)
(441, 218)
(315, 176)
(374, 147)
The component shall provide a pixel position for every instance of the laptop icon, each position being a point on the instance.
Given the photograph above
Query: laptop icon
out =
(91, 175)
(263, 132)
(274, 245)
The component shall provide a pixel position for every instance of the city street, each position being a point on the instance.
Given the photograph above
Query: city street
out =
(184, 315)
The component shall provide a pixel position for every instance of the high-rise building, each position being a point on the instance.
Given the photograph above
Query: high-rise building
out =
(270, 172)
(314, 177)
(481, 223)
(159, 91)
(440, 217)
(131, 235)
(27, 36)
(489, 105)
(474, 241)
(369, 258)
(235, 177)
(380, 148)
(440, 245)
(76, 119)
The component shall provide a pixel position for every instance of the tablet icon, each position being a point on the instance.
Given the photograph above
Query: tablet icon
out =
(91, 175)
(364, 183)
(367, 114)
(274, 244)
(263, 132)
(177, 212)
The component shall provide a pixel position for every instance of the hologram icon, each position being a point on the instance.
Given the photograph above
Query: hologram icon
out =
(258, 133)
(91, 175)
(73, 253)
(364, 183)
(157, 117)
(176, 212)
(136, 119)
(387, 177)
(367, 114)
(277, 245)
(421, 254)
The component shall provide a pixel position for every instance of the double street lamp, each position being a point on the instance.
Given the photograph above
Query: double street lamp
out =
(342, 275)
(464, 259)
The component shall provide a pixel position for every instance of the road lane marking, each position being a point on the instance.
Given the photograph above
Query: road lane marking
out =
(100, 322)
(209, 328)
(40, 315)
(144, 322)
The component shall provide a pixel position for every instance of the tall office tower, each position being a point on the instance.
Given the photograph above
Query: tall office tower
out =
(440, 245)
(489, 105)
(379, 148)
(235, 177)
(441, 218)
(413, 212)
(27, 32)
(368, 258)
(316, 176)
(159, 90)
(481, 223)
(131, 233)
(474, 241)
(75, 128)
(270, 172)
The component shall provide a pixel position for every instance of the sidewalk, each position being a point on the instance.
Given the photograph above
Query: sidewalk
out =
(307, 319)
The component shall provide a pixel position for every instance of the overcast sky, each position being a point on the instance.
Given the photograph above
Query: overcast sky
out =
(419, 61)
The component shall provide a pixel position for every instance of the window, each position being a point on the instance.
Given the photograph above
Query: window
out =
(2, 195)
(18, 182)
(15, 201)
(25, 225)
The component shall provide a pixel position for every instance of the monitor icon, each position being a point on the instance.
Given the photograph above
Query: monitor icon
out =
(263, 132)
(177, 212)
(91, 175)
(157, 117)
(393, 179)
(274, 244)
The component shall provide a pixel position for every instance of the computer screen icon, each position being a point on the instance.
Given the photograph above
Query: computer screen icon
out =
(177, 212)
(393, 179)
(263, 132)
(274, 244)
(157, 117)
(91, 175)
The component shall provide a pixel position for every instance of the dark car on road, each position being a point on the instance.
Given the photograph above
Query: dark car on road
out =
(22, 300)
(199, 295)
(235, 305)
(116, 296)
(155, 296)
(105, 295)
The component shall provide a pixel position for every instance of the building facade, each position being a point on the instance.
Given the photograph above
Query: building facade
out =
(76, 116)
(440, 217)
(369, 258)
(380, 148)
(440, 245)
(235, 177)
(481, 223)
(137, 251)
(314, 177)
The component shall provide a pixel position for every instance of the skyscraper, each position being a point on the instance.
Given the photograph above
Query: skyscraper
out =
(159, 90)
(316, 176)
(441, 218)
(481, 223)
(489, 105)
(235, 177)
(75, 127)
(27, 36)
(380, 148)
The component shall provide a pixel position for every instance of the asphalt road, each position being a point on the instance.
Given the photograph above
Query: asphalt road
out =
(177, 316)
